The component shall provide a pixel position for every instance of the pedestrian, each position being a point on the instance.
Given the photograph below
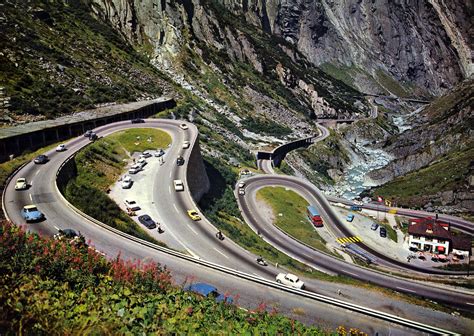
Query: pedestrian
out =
(276, 265)
(338, 292)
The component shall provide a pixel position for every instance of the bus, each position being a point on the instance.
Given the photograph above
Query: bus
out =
(314, 216)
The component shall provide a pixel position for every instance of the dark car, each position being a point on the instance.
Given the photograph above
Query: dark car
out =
(180, 161)
(147, 221)
(383, 232)
(93, 136)
(41, 159)
(137, 121)
(207, 290)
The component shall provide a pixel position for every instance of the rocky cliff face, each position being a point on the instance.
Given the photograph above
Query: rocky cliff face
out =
(426, 43)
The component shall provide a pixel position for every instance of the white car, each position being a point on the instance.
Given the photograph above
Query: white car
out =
(159, 152)
(61, 148)
(135, 169)
(21, 184)
(141, 162)
(241, 184)
(178, 185)
(290, 280)
(241, 191)
(145, 154)
(183, 126)
(185, 144)
(132, 205)
(127, 182)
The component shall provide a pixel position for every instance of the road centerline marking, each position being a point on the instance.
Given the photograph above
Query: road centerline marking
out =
(221, 252)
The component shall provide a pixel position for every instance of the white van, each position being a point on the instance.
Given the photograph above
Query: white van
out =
(178, 185)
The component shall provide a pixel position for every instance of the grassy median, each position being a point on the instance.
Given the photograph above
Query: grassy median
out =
(289, 210)
(99, 165)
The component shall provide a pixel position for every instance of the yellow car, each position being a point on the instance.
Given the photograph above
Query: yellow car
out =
(193, 214)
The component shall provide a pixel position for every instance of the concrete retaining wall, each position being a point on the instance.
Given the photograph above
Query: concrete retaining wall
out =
(15, 140)
(196, 175)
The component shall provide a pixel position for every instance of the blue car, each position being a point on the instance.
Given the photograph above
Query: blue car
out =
(350, 217)
(208, 291)
(30, 213)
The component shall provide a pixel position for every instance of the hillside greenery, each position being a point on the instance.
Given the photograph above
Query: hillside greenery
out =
(57, 58)
(50, 287)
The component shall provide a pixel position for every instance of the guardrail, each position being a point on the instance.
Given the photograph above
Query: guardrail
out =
(249, 277)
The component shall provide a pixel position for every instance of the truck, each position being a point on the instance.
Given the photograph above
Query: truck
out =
(314, 216)
(178, 185)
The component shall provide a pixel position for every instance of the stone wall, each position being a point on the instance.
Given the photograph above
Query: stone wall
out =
(196, 176)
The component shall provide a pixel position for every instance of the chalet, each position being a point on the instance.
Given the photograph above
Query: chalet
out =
(431, 235)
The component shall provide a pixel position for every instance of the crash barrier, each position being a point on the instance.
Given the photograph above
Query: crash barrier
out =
(249, 277)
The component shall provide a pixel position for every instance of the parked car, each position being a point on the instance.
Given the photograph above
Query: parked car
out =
(241, 191)
(350, 217)
(374, 226)
(141, 162)
(178, 185)
(147, 221)
(132, 205)
(356, 208)
(127, 182)
(383, 232)
(179, 161)
(88, 133)
(21, 184)
(209, 291)
(137, 121)
(61, 148)
(183, 126)
(290, 280)
(135, 169)
(41, 159)
(30, 213)
(145, 154)
(185, 144)
(159, 152)
(193, 214)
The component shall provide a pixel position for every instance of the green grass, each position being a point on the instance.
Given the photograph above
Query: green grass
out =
(391, 84)
(67, 289)
(293, 219)
(99, 165)
(129, 141)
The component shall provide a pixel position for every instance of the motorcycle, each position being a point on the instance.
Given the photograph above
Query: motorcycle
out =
(219, 235)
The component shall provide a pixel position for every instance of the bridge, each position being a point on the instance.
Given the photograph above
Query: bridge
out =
(279, 153)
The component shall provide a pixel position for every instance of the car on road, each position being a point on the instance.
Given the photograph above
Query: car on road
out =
(241, 191)
(30, 213)
(145, 154)
(137, 121)
(241, 184)
(132, 205)
(21, 184)
(355, 208)
(159, 152)
(183, 126)
(193, 214)
(93, 136)
(209, 291)
(290, 280)
(147, 221)
(135, 169)
(88, 133)
(179, 161)
(374, 226)
(66, 233)
(61, 148)
(350, 217)
(127, 182)
(41, 159)
(383, 232)
(178, 185)
(185, 144)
